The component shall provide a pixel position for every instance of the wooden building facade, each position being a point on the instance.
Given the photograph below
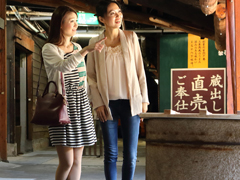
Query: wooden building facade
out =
(23, 65)
(20, 60)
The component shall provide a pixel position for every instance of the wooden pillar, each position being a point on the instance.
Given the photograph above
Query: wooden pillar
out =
(30, 94)
(237, 32)
(231, 58)
(3, 83)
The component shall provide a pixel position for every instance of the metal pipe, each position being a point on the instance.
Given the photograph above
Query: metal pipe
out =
(35, 18)
(18, 16)
(135, 30)
(27, 9)
(25, 21)
(33, 13)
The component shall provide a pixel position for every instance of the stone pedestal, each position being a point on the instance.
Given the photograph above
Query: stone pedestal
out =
(197, 147)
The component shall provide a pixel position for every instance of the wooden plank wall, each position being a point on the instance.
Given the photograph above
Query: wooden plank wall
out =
(11, 112)
(3, 85)
(24, 42)
(40, 136)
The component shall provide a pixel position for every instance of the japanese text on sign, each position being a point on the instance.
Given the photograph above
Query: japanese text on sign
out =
(198, 89)
(197, 52)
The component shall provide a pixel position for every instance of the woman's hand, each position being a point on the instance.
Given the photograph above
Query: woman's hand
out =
(98, 46)
(144, 109)
(102, 113)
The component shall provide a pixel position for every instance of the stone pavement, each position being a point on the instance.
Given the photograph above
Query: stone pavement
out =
(41, 165)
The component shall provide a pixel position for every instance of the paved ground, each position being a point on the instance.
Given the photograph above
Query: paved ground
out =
(41, 165)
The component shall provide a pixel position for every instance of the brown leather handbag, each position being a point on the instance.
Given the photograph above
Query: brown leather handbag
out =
(48, 107)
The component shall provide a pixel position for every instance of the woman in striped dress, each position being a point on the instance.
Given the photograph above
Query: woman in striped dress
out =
(64, 64)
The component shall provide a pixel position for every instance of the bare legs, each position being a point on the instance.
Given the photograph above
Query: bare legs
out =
(75, 172)
(69, 163)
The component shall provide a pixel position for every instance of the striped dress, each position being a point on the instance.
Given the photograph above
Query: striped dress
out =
(81, 131)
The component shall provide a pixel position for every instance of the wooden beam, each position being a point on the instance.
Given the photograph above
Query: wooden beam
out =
(50, 3)
(194, 3)
(24, 41)
(201, 33)
(138, 17)
(3, 84)
(80, 5)
(208, 6)
(182, 11)
(220, 27)
(177, 25)
(222, 1)
(77, 5)
(125, 1)
(134, 16)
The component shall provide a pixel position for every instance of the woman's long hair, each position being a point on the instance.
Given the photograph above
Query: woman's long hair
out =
(55, 35)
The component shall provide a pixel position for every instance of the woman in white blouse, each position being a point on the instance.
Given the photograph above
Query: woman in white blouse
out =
(118, 88)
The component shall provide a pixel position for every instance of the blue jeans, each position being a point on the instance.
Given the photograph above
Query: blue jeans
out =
(120, 109)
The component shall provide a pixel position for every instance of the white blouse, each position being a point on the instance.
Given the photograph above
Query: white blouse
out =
(116, 73)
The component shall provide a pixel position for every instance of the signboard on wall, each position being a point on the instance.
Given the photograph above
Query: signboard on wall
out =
(197, 52)
(87, 19)
(198, 89)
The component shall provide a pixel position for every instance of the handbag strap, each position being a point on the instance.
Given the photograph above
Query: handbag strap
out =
(39, 78)
(63, 87)
(46, 89)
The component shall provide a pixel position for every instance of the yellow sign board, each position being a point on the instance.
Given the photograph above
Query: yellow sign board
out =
(197, 52)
